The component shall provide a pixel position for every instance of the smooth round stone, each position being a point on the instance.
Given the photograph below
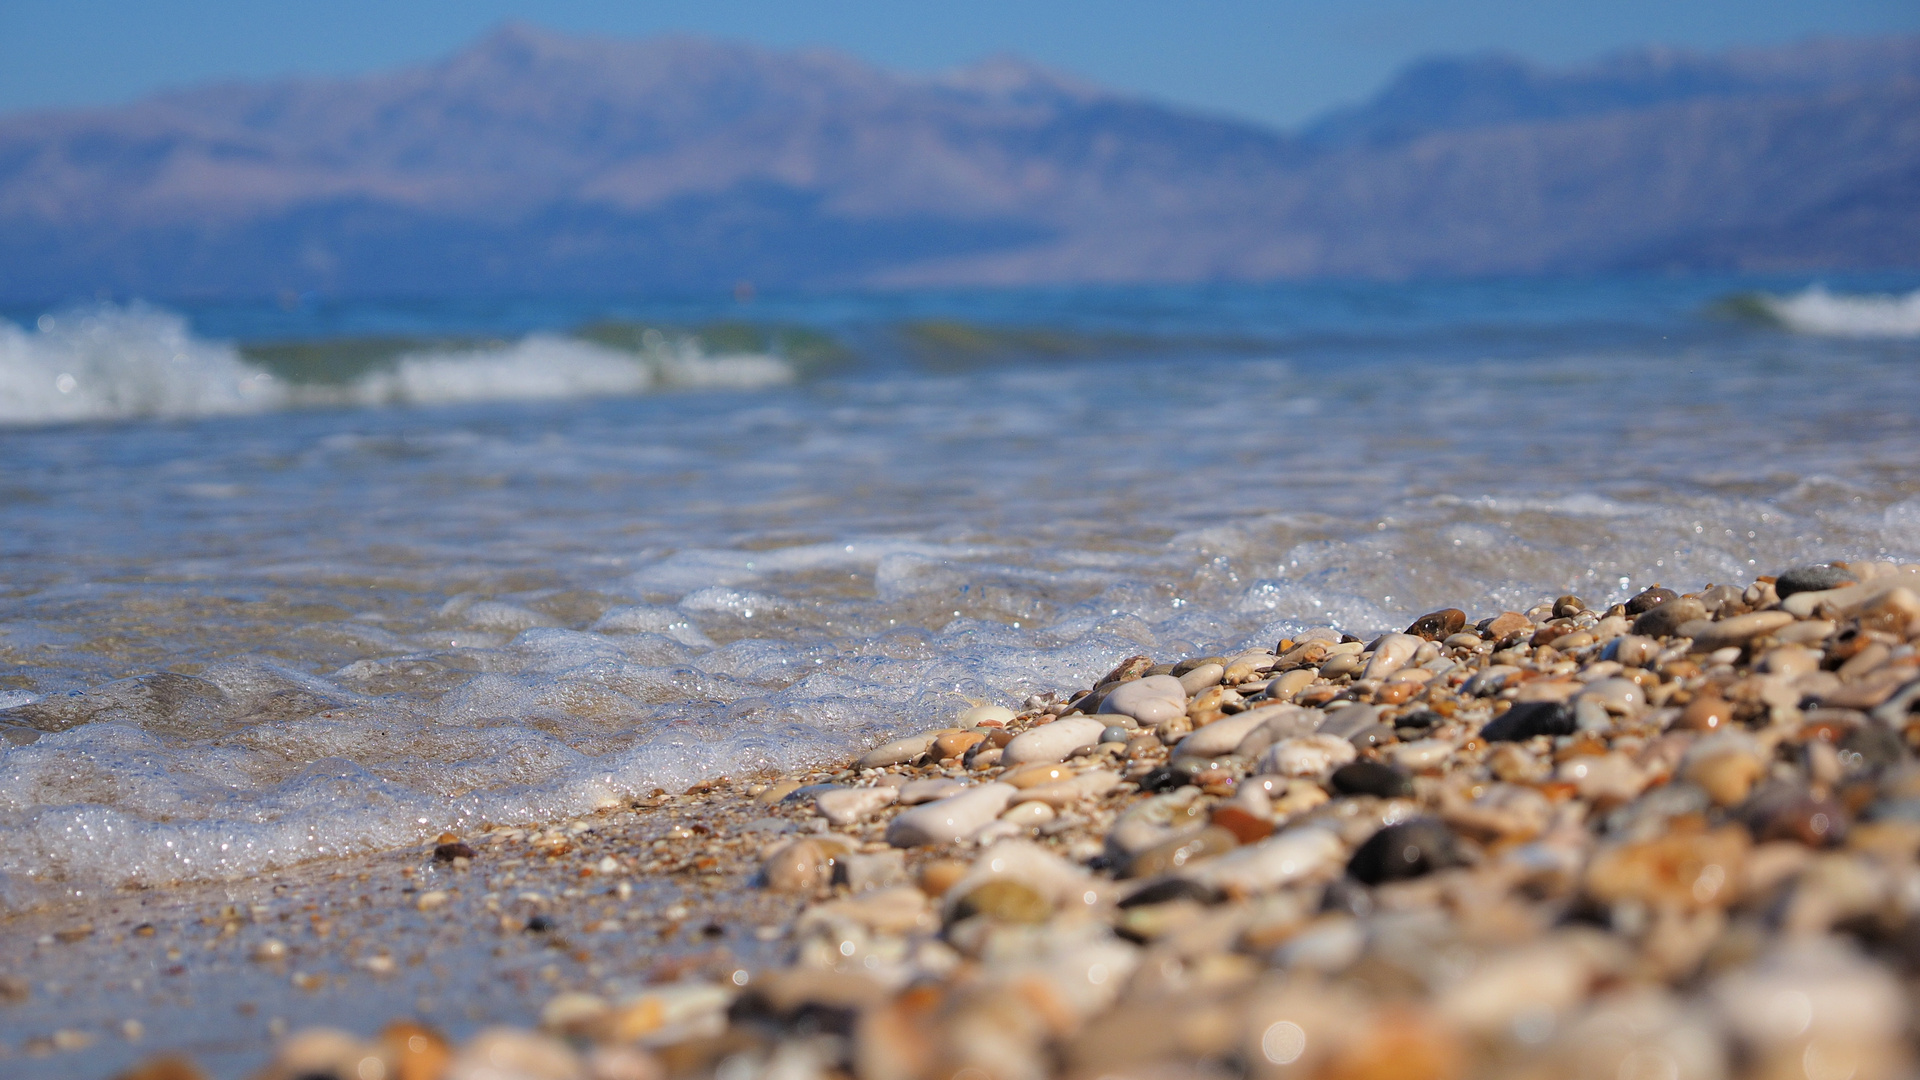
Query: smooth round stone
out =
(1421, 753)
(1209, 842)
(1272, 863)
(1222, 736)
(899, 751)
(1740, 629)
(1527, 719)
(985, 714)
(955, 744)
(1032, 813)
(1116, 733)
(1632, 650)
(1812, 579)
(1406, 850)
(1667, 619)
(1439, 624)
(1149, 700)
(1371, 778)
(915, 792)
(1004, 900)
(848, 805)
(1392, 654)
(1308, 755)
(800, 866)
(1648, 599)
(1622, 697)
(1053, 742)
(1036, 774)
(951, 818)
(1204, 677)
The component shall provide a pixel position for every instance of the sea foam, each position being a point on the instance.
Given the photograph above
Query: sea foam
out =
(1817, 311)
(113, 362)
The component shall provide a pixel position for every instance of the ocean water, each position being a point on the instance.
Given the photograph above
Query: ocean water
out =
(283, 582)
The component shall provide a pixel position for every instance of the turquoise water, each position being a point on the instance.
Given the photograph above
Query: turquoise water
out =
(496, 561)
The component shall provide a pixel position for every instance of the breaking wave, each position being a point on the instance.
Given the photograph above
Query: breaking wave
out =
(136, 361)
(1817, 311)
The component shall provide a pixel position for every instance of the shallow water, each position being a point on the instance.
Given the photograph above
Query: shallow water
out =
(239, 641)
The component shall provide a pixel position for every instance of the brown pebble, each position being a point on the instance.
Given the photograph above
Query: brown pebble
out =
(940, 875)
(1175, 853)
(1648, 599)
(955, 743)
(1727, 777)
(416, 1051)
(164, 1067)
(1507, 624)
(1133, 667)
(1817, 823)
(801, 866)
(1438, 624)
(1004, 900)
(1568, 606)
(449, 850)
(1667, 619)
(1245, 827)
(1708, 712)
(1689, 871)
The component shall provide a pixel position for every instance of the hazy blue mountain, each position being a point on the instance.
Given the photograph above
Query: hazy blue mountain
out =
(535, 162)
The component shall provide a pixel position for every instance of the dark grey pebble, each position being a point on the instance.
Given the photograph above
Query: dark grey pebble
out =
(1648, 599)
(1371, 778)
(1530, 718)
(1166, 889)
(1811, 579)
(1407, 850)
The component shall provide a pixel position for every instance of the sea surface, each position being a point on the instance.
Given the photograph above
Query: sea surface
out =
(286, 580)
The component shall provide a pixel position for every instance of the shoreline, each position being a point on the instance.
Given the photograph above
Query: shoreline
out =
(1478, 847)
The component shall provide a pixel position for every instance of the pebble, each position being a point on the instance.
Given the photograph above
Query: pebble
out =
(1812, 579)
(797, 867)
(1307, 755)
(915, 792)
(951, 818)
(1149, 700)
(1725, 766)
(1175, 853)
(1053, 742)
(1505, 626)
(1739, 629)
(1421, 754)
(848, 805)
(1224, 736)
(1371, 778)
(1438, 625)
(1282, 859)
(1204, 677)
(1390, 654)
(1666, 619)
(990, 715)
(1648, 599)
(1530, 720)
(1405, 850)
(899, 751)
(955, 744)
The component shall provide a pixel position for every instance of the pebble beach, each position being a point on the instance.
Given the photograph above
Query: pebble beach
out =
(1677, 836)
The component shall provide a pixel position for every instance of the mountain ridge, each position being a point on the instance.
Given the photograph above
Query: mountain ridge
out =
(534, 161)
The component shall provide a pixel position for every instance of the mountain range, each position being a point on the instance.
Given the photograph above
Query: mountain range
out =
(539, 163)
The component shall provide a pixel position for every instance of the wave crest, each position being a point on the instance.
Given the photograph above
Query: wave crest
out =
(112, 362)
(1817, 311)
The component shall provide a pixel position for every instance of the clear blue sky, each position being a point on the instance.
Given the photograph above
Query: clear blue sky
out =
(1276, 61)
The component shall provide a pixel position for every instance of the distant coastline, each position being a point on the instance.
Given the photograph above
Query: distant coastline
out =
(537, 163)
